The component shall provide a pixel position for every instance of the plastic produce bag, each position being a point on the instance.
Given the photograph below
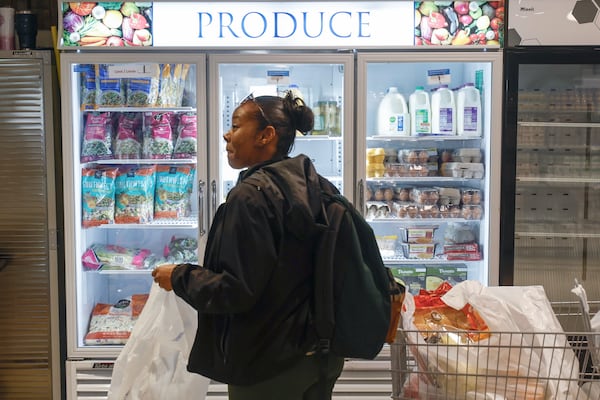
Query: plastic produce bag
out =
(152, 365)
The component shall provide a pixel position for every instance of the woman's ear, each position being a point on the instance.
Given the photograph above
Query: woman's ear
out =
(267, 135)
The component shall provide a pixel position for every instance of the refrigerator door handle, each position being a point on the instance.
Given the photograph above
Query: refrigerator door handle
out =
(360, 195)
(213, 186)
(201, 185)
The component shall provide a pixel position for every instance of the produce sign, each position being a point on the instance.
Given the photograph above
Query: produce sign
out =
(107, 24)
(459, 23)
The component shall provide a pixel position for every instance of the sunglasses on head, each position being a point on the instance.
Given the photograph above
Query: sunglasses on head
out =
(250, 98)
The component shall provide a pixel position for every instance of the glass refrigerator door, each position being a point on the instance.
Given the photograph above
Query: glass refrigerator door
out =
(134, 163)
(554, 127)
(325, 84)
(429, 129)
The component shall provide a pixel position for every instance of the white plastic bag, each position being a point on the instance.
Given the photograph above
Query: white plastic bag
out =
(521, 364)
(152, 365)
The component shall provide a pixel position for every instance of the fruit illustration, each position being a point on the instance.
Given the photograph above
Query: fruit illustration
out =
(459, 23)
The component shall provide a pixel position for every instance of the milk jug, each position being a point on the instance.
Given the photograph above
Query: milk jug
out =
(392, 115)
(420, 112)
(468, 109)
(443, 111)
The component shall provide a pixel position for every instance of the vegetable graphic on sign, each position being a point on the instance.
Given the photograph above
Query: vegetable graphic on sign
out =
(116, 24)
(459, 23)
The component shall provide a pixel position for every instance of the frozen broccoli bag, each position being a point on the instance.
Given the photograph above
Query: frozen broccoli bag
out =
(153, 363)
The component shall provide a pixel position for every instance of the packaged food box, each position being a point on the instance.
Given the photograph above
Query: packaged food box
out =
(419, 251)
(418, 234)
(462, 170)
(462, 251)
(412, 277)
(436, 275)
(375, 155)
(467, 155)
(449, 196)
(387, 245)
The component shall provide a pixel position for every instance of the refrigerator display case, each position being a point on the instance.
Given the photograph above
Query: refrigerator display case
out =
(323, 81)
(134, 165)
(551, 165)
(429, 189)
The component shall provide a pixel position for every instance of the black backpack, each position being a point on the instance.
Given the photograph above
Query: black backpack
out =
(357, 301)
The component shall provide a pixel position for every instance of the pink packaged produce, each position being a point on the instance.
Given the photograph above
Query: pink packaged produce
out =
(97, 137)
(109, 256)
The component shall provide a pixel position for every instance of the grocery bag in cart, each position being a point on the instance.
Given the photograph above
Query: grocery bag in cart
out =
(511, 346)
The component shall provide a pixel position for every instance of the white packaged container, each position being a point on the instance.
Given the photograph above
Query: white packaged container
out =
(420, 112)
(443, 111)
(393, 117)
(468, 109)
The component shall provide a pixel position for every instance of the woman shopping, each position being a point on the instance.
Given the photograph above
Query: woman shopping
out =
(253, 290)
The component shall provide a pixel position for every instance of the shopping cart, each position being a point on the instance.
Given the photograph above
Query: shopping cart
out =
(507, 365)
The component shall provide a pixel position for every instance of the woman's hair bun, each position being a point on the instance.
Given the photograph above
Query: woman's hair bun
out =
(301, 115)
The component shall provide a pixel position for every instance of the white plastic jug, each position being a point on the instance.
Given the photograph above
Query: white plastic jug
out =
(420, 112)
(468, 109)
(443, 111)
(392, 115)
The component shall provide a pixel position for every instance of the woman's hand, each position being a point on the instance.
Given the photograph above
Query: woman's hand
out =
(162, 276)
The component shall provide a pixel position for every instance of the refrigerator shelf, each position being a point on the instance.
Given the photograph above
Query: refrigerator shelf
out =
(182, 223)
(423, 179)
(122, 271)
(424, 221)
(585, 231)
(433, 261)
(142, 109)
(440, 138)
(556, 179)
(560, 124)
(142, 161)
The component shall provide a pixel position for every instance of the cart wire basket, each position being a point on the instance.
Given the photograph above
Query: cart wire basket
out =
(503, 365)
